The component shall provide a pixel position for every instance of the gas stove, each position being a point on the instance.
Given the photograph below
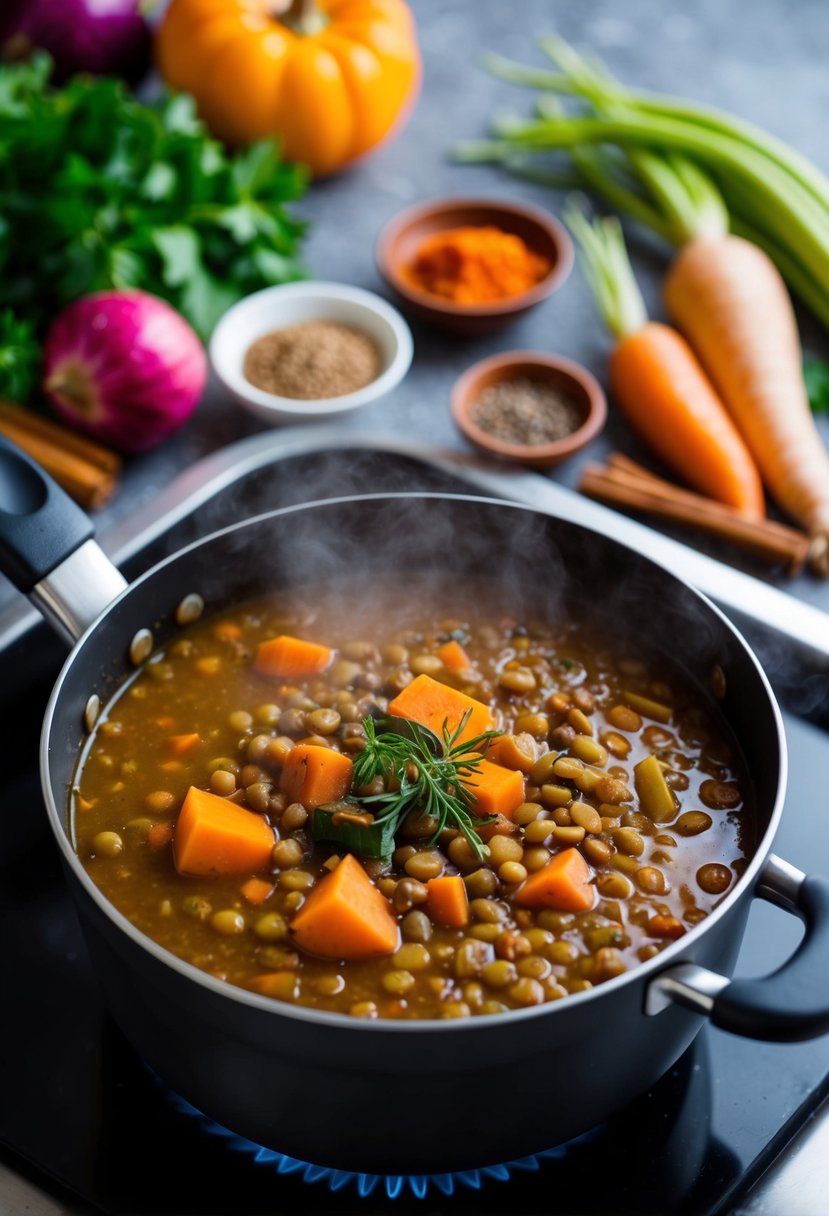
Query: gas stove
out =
(86, 1127)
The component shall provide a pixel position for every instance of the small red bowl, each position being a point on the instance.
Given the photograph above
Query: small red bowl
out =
(400, 240)
(560, 373)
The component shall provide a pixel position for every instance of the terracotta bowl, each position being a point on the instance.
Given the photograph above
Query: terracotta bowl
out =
(563, 374)
(401, 238)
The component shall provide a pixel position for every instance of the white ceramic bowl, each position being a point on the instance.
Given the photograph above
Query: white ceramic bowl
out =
(278, 307)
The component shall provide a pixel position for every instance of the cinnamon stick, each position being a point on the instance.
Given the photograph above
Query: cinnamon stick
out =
(85, 469)
(625, 484)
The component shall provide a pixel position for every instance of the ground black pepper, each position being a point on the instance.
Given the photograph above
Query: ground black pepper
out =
(312, 360)
(526, 412)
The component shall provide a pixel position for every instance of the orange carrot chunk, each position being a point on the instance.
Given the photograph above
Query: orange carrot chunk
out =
(453, 656)
(256, 890)
(345, 917)
(564, 883)
(427, 701)
(514, 751)
(496, 790)
(313, 774)
(179, 745)
(214, 836)
(447, 901)
(290, 658)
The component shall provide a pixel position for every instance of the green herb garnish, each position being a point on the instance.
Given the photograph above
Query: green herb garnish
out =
(98, 190)
(423, 772)
(342, 823)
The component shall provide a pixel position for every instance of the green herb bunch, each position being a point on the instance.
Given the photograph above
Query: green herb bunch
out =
(423, 772)
(99, 190)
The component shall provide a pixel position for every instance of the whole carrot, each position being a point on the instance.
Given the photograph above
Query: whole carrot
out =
(660, 384)
(728, 298)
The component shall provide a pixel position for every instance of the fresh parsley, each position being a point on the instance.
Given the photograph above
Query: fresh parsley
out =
(19, 357)
(99, 190)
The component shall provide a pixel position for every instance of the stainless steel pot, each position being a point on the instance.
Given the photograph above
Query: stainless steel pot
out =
(386, 1096)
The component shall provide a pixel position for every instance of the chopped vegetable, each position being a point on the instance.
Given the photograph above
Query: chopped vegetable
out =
(423, 772)
(290, 658)
(345, 917)
(214, 836)
(659, 383)
(345, 824)
(124, 367)
(495, 790)
(179, 745)
(313, 774)
(563, 883)
(647, 706)
(447, 900)
(127, 195)
(437, 706)
(656, 799)
(453, 656)
(514, 751)
(256, 890)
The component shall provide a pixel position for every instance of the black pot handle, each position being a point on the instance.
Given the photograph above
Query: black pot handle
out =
(40, 525)
(789, 1005)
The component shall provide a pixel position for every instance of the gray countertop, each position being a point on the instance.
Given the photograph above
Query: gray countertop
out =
(763, 60)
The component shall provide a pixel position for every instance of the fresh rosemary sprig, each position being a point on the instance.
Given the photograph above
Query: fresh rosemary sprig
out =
(422, 771)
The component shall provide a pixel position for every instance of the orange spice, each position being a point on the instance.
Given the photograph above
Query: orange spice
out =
(476, 265)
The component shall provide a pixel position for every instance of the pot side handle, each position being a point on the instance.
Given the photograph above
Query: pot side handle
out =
(787, 1006)
(46, 547)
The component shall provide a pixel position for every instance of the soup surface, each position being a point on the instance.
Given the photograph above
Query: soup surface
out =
(259, 808)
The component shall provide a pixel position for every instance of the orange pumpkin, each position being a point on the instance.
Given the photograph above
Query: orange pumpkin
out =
(330, 78)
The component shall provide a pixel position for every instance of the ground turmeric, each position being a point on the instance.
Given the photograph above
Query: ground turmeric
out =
(476, 265)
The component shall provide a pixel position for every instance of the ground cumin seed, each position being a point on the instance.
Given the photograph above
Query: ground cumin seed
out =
(312, 360)
(527, 412)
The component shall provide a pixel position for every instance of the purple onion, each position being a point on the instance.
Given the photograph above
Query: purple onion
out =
(124, 367)
(104, 37)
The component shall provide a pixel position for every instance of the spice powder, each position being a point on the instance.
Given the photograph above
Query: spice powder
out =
(526, 412)
(475, 265)
(312, 361)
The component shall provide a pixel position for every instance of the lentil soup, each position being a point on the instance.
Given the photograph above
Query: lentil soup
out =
(608, 817)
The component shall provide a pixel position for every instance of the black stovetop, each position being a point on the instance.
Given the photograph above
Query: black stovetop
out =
(82, 1115)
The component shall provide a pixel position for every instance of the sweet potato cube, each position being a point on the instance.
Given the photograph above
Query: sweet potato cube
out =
(514, 751)
(313, 774)
(345, 917)
(453, 656)
(564, 883)
(447, 901)
(496, 790)
(214, 836)
(290, 658)
(432, 704)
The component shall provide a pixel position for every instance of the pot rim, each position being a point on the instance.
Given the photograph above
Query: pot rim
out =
(481, 1023)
